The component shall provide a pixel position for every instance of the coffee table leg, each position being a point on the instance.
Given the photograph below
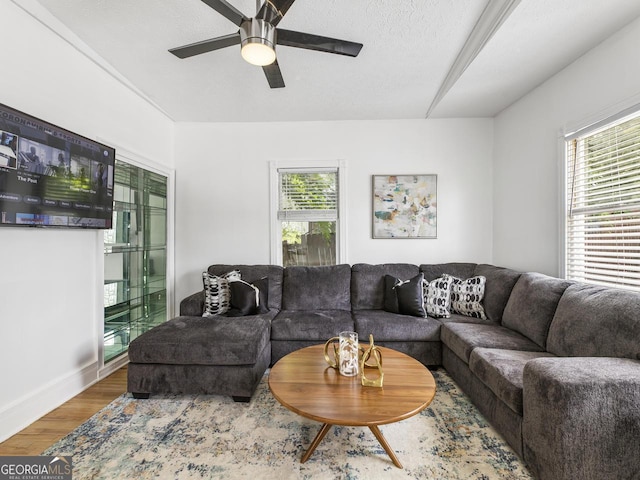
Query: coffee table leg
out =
(316, 441)
(383, 441)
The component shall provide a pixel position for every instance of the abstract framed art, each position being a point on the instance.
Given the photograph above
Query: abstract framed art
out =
(405, 206)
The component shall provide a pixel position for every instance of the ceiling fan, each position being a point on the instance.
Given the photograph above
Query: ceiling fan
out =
(258, 37)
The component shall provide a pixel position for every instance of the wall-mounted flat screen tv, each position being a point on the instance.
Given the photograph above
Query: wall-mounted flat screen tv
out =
(51, 177)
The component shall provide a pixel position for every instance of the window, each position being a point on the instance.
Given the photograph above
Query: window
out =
(307, 221)
(602, 242)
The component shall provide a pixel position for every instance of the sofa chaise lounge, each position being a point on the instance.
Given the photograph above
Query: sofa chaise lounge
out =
(554, 365)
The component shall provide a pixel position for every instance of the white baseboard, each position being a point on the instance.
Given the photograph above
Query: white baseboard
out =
(26, 410)
(113, 365)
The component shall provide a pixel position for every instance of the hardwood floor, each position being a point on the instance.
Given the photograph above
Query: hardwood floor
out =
(44, 432)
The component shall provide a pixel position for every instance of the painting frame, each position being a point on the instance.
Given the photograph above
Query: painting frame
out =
(404, 206)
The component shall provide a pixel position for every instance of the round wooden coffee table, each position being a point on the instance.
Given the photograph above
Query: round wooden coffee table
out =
(304, 383)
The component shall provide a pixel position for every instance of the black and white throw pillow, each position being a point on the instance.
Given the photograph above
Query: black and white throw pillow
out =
(217, 294)
(437, 297)
(467, 295)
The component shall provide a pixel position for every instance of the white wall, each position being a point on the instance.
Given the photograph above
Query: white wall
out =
(527, 206)
(51, 280)
(222, 187)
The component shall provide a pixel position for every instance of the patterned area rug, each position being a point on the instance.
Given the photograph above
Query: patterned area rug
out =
(210, 437)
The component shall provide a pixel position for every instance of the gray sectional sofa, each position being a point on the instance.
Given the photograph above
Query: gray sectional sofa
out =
(555, 366)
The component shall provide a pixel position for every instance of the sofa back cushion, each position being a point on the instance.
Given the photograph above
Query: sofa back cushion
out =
(253, 273)
(367, 283)
(317, 288)
(532, 305)
(458, 270)
(594, 321)
(500, 282)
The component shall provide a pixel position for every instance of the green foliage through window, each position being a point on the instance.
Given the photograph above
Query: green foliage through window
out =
(308, 210)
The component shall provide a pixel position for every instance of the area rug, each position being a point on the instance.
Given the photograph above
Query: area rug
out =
(211, 437)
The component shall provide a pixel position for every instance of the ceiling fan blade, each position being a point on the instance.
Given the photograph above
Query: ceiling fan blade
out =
(272, 11)
(273, 74)
(316, 42)
(227, 10)
(206, 45)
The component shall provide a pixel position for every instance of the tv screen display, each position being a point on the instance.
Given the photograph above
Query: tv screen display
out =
(51, 177)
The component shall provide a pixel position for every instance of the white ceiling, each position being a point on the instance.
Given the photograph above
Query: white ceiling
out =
(409, 47)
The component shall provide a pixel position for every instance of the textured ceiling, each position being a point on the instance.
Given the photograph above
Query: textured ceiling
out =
(409, 47)
(539, 39)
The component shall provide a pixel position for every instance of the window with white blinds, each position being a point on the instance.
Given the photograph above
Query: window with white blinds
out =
(308, 195)
(603, 204)
(307, 216)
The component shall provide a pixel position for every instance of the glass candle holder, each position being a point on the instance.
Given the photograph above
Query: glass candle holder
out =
(348, 353)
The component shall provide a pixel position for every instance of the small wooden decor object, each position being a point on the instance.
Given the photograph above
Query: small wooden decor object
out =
(374, 353)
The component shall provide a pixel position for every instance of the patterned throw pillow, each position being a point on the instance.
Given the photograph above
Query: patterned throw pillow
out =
(467, 295)
(217, 294)
(437, 297)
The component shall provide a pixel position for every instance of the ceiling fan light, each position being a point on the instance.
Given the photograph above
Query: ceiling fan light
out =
(258, 42)
(257, 53)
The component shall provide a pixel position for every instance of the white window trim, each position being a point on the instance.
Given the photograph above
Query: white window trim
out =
(572, 131)
(571, 128)
(276, 233)
(562, 204)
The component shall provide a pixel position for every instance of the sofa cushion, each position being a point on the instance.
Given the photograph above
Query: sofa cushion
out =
(457, 318)
(367, 282)
(252, 273)
(203, 341)
(317, 288)
(594, 321)
(392, 327)
(532, 304)
(217, 292)
(459, 270)
(317, 325)
(501, 371)
(404, 296)
(582, 419)
(462, 338)
(500, 282)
